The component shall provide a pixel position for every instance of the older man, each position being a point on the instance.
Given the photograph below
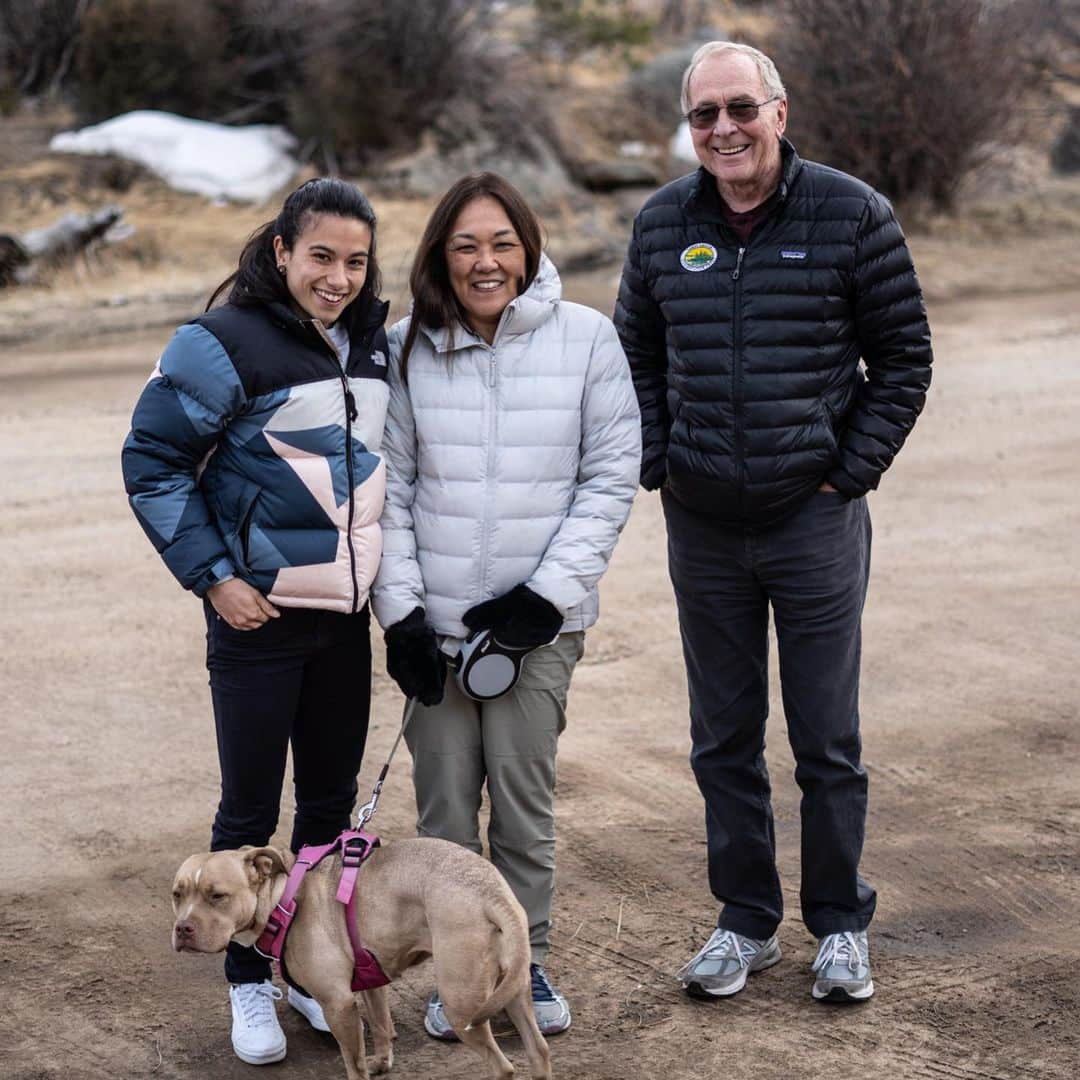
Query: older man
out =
(752, 289)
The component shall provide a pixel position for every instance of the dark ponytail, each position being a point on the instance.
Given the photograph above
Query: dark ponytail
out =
(257, 279)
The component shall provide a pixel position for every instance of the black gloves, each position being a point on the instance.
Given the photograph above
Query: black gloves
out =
(654, 474)
(414, 660)
(519, 619)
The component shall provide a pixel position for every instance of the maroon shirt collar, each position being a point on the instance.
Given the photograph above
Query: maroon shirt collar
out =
(742, 223)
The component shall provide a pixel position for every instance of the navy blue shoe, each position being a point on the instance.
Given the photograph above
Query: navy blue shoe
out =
(435, 1022)
(552, 1011)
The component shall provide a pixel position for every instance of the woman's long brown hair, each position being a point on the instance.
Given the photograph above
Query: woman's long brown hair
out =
(434, 302)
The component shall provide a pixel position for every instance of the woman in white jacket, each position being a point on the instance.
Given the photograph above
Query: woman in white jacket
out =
(513, 451)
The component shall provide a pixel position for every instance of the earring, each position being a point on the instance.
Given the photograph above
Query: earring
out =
(281, 269)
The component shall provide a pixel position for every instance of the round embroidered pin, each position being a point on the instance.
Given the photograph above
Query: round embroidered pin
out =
(698, 257)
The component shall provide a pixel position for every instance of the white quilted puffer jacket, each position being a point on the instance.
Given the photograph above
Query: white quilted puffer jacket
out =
(508, 463)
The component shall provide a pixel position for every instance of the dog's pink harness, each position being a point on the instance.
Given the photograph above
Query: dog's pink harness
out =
(355, 849)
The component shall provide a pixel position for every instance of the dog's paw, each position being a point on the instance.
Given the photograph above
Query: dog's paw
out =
(379, 1064)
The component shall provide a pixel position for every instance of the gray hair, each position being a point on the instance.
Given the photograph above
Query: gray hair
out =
(770, 77)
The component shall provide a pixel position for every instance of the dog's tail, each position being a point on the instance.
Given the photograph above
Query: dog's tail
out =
(512, 950)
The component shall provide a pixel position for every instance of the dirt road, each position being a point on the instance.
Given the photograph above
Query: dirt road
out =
(971, 682)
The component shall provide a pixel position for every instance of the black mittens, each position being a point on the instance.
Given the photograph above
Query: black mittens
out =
(654, 474)
(414, 660)
(519, 619)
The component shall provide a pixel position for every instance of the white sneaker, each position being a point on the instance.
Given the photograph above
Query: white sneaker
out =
(257, 1037)
(309, 1009)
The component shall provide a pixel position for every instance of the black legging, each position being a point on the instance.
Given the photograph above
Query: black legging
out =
(305, 679)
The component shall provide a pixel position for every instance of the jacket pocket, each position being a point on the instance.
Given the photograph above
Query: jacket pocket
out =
(828, 425)
(680, 422)
(241, 536)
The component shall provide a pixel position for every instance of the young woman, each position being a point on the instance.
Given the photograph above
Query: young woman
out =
(513, 450)
(254, 466)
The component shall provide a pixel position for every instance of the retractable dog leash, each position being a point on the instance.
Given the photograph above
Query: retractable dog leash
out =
(367, 811)
(485, 668)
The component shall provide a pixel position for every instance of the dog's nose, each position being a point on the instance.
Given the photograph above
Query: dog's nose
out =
(185, 929)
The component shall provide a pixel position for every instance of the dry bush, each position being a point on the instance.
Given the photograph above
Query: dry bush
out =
(264, 52)
(568, 28)
(37, 40)
(905, 93)
(676, 18)
(376, 74)
(352, 81)
(151, 54)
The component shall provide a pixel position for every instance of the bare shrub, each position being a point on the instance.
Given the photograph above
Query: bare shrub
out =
(904, 93)
(152, 54)
(353, 81)
(680, 17)
(376, 74)
(37, 40)
(568, 28)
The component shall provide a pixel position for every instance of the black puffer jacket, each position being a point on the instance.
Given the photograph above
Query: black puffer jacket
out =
(746, 359)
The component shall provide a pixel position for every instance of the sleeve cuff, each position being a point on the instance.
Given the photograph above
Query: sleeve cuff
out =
(221, 571)
(843, 483)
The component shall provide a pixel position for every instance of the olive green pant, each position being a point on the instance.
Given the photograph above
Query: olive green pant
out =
(509, 742)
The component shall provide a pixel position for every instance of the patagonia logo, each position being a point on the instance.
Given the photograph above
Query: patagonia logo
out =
(698, 257)
(378, 359)
(792, 253)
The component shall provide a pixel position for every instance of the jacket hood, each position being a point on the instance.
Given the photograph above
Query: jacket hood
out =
(521, 316)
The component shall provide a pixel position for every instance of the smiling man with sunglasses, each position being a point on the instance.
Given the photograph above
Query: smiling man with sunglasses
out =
(780, 351)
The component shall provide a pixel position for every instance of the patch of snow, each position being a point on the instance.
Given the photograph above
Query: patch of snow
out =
(246, 164)
(681, 146)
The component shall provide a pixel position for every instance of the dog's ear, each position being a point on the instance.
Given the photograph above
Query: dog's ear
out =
(263, 862)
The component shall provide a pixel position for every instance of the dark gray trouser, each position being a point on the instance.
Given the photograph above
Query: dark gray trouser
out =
(813, 568)
(510, 744)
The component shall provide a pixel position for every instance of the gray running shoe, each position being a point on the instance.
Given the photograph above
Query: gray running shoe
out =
(552, 1011)
(435, 1022)
(843, 968)
(721, 967)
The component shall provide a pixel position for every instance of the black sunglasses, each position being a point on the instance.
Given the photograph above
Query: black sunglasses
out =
(740, 112)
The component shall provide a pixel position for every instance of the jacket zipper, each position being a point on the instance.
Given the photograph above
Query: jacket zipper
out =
(736, 379)
(351, 414)
(489, 469)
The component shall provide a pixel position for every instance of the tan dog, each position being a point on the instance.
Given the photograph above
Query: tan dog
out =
(415, 898)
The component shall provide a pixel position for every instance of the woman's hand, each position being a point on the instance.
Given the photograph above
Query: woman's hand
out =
(519, 619)
(241, 606)
(414, 660)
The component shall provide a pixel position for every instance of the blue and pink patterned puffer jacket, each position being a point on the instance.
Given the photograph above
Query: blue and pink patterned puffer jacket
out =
(255, 453)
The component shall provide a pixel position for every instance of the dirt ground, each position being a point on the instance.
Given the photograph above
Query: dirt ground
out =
(970, 691)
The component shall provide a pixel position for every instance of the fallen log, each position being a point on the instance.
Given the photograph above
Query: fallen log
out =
(21, 257)
(13, 258)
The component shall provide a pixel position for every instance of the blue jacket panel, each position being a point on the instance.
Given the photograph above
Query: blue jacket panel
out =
(255, 453)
